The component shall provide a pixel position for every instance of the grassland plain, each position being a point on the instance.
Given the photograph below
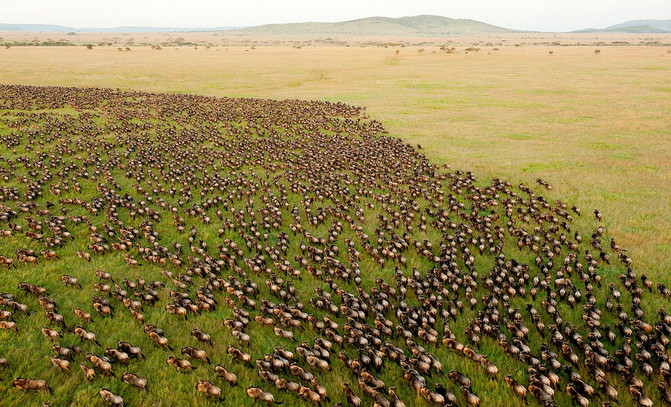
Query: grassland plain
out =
(518, 113)
(132, 128)
(596, 127)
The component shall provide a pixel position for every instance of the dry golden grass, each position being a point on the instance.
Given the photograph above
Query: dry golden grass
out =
(596, 127)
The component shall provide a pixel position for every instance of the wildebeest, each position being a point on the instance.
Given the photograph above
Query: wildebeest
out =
(111, 398)
(209, 389)
(135, 381)
(259, 395)
(31, 384)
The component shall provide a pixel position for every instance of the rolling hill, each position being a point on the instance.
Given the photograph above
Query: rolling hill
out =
(636, 27)
(422, 25)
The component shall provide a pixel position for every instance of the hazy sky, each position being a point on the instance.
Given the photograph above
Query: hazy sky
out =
(545, 15)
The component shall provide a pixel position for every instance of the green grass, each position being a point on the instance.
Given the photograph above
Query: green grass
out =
(28, 351)
(611, 101)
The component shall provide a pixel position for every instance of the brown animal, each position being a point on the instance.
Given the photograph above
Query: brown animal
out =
(131, 350)
(84, 255)
(259, 395)
(195, 353)
(321, 390)
(516, 387)
(100, 363)
(31, 384)
(86, 335)
(117, 355)
(284, 384)
(471, 399)
(284, 333)
(27, 259)
(352, 398)
(9, 326)
(135, 381)
(395, 400)
(239, 355)
(66, 352)
(55, 318)
(104, 276)
(50, 333)
(181, 365)
(49, 254)
(159, 340)
(311, 395)
(111, 398)
(61, 364)
(83, 315)
(201, 336)
(67, 280)
(222, 372)
(89, 372)
(432, 397)
(208, 389)
(6, 261)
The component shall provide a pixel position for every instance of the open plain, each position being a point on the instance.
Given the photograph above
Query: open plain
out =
(594, 127)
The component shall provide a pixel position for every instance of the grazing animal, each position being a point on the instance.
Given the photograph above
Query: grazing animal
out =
(181, 365)
(338, 221)
(237, 354)
(111, 398)
(201, 336)
(228, 376)
(31, 384)
(83, 315)
(209, 389)
(61, 364)
(89, 372)
(195, 353)
(352, 398)
(135, 381)
(11, 326)
(102, 364)
(259, 395)
(131, 350)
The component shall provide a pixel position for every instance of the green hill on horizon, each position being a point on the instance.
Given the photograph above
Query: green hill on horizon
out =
(422, 25)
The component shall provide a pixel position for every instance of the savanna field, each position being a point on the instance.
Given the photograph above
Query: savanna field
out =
(438, 247)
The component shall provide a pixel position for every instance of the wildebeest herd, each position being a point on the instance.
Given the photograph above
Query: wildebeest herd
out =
(178, 249)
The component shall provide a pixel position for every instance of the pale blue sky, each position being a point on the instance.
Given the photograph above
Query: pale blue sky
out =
(544, 15)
